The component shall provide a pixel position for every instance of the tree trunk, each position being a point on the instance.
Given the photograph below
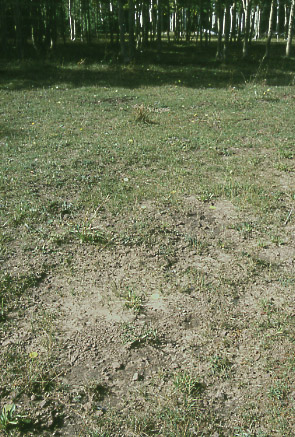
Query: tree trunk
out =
(210, 24)
(86, 13)
(111, 22)
(131, 19)
(50, 29)
(247, 11)
(240, 20)
(188, 25)
(226, 29)
(290, 30)
(177, 24)
(257, 23)
(138, 33)
(286, 13)
(72, 22)
(62, 22)
(159, 26)
(278, 19)
(145, 23)
(81, 21)
(252, 21)
(18, 29)
(37, 27)
(169, 23)
(233, 19)
(269, 33)
(3, 27)
(122, 31)
(153, 20)
(201, 23)
(219, 30)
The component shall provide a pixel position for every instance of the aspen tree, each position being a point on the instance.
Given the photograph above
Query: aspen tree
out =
(269, 34)
(247, 10)
(290, 30)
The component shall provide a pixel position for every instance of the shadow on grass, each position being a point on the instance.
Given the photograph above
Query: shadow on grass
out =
(185, 65)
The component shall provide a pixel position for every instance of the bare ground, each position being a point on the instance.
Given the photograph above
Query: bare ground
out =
(176, 291)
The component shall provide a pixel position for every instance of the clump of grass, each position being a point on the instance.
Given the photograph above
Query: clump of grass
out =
(188, 384)
(92, 236)
(201, 246)
(138, 335)
(133, 301)
(86, 232)
(96, 391)
(32, 373)
(142, 113)
(13, 286)
(278, 390)
(220, 366)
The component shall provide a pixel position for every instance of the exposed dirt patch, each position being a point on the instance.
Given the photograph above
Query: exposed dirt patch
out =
(174, 293)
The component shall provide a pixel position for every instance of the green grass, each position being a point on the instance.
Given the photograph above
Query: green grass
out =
(147, 217)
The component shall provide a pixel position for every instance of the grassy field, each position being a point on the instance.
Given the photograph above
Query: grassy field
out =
(147, 247)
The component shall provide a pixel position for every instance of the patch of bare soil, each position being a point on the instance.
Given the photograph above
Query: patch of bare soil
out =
(176, 292)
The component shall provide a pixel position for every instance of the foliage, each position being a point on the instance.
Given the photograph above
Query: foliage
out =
(46, 22)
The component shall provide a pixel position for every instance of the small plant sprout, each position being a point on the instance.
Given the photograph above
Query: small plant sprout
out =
(133, 301)
(8, 418)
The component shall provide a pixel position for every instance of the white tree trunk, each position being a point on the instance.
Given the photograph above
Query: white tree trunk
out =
(72, 23)
(269, 33)
(278, 20)
(257, 23)
(247, 11)
(290, 29)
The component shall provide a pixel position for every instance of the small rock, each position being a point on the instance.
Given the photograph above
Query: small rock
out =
(117, 365)
(88, 406)
(221, 395)
(43, 403)
(137, 376)
(99, 413)
(50, 422)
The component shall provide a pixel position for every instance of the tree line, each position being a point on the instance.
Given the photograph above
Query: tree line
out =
(135, 24)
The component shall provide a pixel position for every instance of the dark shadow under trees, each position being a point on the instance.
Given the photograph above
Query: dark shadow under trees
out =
(77, 65)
